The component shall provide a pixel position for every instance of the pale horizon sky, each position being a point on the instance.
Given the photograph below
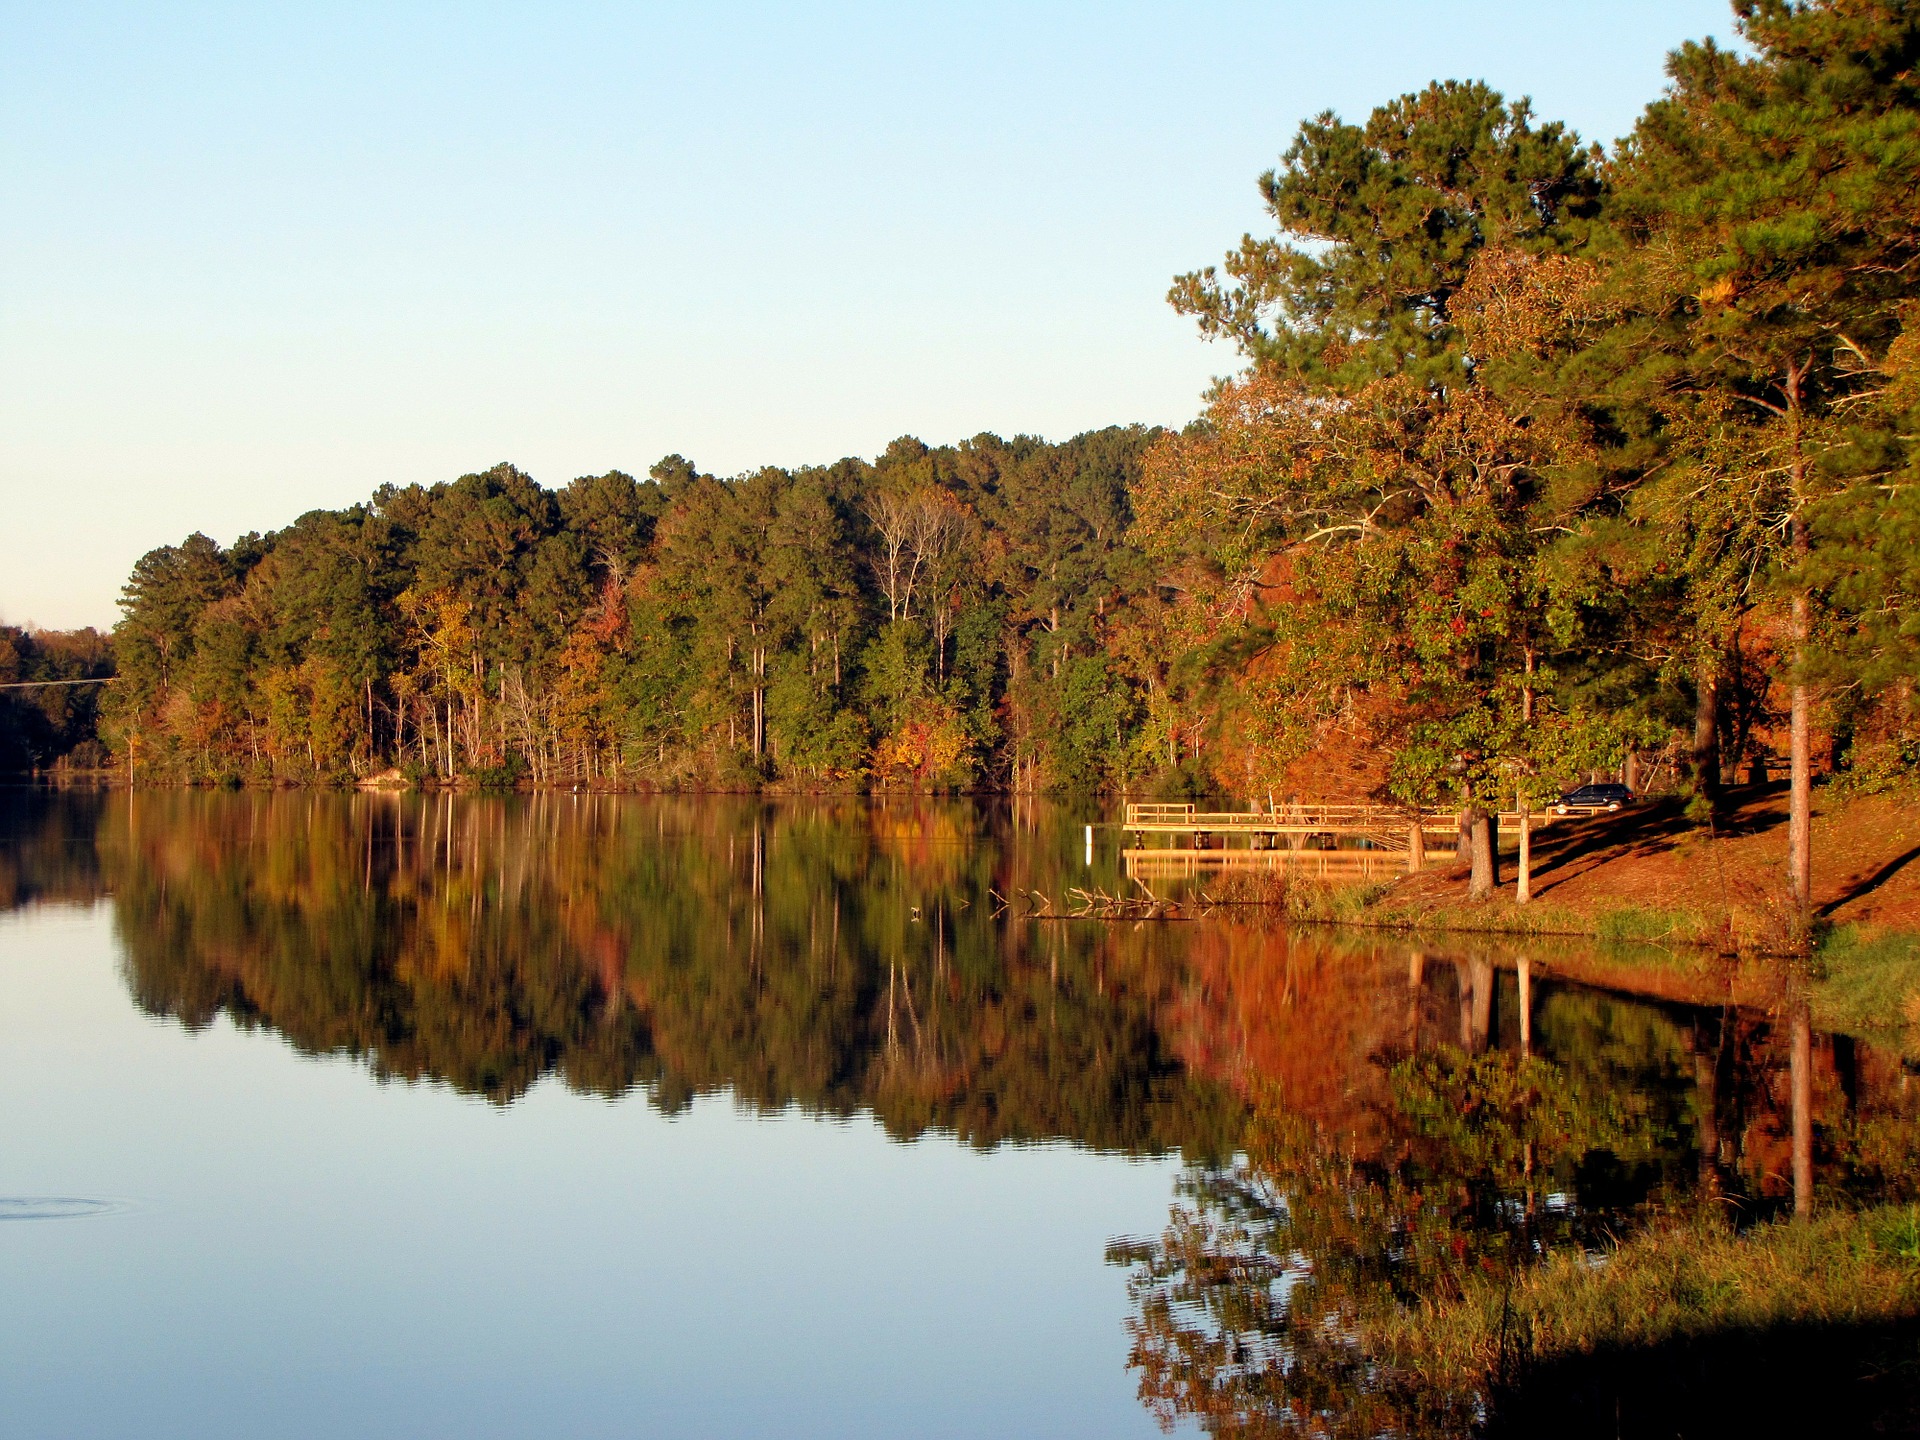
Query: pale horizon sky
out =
(263, 259)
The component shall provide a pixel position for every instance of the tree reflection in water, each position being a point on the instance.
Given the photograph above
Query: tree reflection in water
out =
(1375, 1137)
(1491, 1123)
(837, 956)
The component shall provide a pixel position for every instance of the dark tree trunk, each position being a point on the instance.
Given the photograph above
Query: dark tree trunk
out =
(1486, 846)
(1706, 728)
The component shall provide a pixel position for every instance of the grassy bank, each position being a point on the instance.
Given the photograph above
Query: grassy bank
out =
(1672, 1332)
(1862, 978)
(1867, 982)
(1411, 905)
(1654, 874)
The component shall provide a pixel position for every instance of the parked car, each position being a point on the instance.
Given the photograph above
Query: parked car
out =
(1594, 797)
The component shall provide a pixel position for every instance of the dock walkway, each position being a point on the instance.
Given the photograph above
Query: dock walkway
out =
(1285, 830)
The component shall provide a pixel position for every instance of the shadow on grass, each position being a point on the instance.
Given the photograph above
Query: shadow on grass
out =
(1653, 828)
(1867, 884)
(1649, 829)
(1797, 1379)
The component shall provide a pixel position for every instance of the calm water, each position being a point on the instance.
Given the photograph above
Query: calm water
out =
(592, 1116)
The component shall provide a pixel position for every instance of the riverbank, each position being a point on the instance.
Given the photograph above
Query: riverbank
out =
(1650, 873)
(1650, 877)
(1664, 1333)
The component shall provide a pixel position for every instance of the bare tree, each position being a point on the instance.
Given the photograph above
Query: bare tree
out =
(916, 532)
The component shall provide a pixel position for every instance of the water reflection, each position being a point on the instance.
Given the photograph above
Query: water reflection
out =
(1378, 1137)
(838, 957)
(1426, 1132)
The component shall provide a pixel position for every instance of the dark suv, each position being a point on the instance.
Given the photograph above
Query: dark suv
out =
(1594, 797)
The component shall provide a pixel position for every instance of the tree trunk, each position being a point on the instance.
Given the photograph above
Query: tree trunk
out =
(1800, 795)
(1482, 837)
(1706, 728)
(1523, 882)
(759, 701)
(1416, 847)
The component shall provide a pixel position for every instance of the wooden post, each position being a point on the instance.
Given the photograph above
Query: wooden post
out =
(1416, 848)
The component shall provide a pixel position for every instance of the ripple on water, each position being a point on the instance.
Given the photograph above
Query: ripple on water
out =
(55, 1207)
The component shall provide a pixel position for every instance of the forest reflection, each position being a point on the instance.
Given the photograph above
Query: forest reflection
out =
(1425, 1133)
(839, 957)
(1378, 1138)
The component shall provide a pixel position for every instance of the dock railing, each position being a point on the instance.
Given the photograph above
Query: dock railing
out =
(1352, 819)
(1157, 814)
(1290, 829)
(1277, 817)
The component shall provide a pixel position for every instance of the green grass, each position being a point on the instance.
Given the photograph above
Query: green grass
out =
(1678, 1285)
(1646, 925)
(1867, 982)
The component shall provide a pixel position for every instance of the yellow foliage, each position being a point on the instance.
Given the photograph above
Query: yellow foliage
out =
(930, 747)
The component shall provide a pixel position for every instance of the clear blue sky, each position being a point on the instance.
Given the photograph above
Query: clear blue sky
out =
(256, 259)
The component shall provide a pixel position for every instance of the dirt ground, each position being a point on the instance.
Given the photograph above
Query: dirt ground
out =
(1866, 863)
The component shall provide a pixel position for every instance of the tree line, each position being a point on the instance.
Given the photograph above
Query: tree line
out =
(49, 705)
(939, 618)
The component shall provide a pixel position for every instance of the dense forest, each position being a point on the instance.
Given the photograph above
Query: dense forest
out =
(940, 618)
(1543, 459)
(44, 725)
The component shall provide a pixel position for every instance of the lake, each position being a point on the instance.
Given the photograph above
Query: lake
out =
(593, 1115)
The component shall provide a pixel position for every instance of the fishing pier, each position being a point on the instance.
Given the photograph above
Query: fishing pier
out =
(1344, 841)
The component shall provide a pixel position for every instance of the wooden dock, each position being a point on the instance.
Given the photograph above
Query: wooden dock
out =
(1181, 864)
(1287, 826)
(1284, 835)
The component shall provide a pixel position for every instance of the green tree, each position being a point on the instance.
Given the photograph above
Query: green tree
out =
(1768, 229)
(1379, 225)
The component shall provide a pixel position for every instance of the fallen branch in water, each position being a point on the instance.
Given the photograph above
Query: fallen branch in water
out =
(1100, 905)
